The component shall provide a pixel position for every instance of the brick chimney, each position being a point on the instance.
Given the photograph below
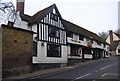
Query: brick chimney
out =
(111, 36)
(20, 6)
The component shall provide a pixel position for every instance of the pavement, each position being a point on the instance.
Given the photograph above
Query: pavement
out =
(40, 73)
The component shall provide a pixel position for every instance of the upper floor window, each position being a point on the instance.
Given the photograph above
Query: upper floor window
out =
(104, 45)
(53, 32)
(118, 50)
(54, 16)
(70, 34)
(76, 36)
(98, 43)
(91, 41)
(81, 37)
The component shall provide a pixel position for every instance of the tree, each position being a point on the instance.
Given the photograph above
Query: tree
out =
(103, 35)
(7, 12)
(117, 31)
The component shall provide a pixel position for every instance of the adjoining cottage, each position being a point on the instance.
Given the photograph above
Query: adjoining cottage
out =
(114, 40)
(85, 44)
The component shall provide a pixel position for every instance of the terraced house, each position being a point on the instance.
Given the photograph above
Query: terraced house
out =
(55, 39)
(114, 40)
(84, 44)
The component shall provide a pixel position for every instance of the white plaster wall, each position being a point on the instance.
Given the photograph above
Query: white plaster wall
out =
(84, 43)
(21, 24)
(107, 48)
(81, 42)
(114, 38)
(95, 45)
(117, 49)
(34, 28)
(42, 55)
(68, 51)
(89, 56)
(108, 39)
(76, 36)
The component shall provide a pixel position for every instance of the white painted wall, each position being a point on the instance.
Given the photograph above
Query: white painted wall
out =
(84, 42)
(20, 23)
(68, 51)
(76, 36)
(115, 37)
(34, 28)
(88, 56)
(69, 40)
(117, 49)
(42, 55)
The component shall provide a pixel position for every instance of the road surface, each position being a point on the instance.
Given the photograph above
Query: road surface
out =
(107, 69)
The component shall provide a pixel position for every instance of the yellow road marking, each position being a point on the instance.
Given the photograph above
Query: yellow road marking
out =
(93, 80)
(104, 74)
(107, 74)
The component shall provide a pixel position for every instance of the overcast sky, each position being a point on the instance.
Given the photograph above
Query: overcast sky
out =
(94, 15)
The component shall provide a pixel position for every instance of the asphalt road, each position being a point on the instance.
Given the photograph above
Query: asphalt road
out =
(104, 69)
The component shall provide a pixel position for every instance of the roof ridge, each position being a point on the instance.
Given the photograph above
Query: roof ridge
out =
(44, 9)
(40, 13)
(83, 31)
(80, 27)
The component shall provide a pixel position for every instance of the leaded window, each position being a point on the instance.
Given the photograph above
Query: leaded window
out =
(53, 32)
(53, 50)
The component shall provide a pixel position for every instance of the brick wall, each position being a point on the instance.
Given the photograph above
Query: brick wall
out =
(0, 53)
(17, 47)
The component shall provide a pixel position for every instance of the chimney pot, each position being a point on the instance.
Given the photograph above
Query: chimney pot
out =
(111, 36)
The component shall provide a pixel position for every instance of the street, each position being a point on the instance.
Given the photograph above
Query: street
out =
(104, 69)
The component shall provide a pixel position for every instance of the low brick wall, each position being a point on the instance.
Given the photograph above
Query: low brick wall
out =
(16, 71)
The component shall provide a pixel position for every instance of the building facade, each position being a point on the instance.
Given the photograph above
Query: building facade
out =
(55, 39)
(49, 37)
(114, 40)
(85, 44)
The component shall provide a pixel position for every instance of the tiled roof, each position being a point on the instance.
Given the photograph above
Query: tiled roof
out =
(118, 35)
(70, 26)
(114, 45)
(35, 18)
(26, 17)
(77, 29)
(40, 14)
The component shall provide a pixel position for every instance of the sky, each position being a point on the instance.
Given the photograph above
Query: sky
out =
(93, 15)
